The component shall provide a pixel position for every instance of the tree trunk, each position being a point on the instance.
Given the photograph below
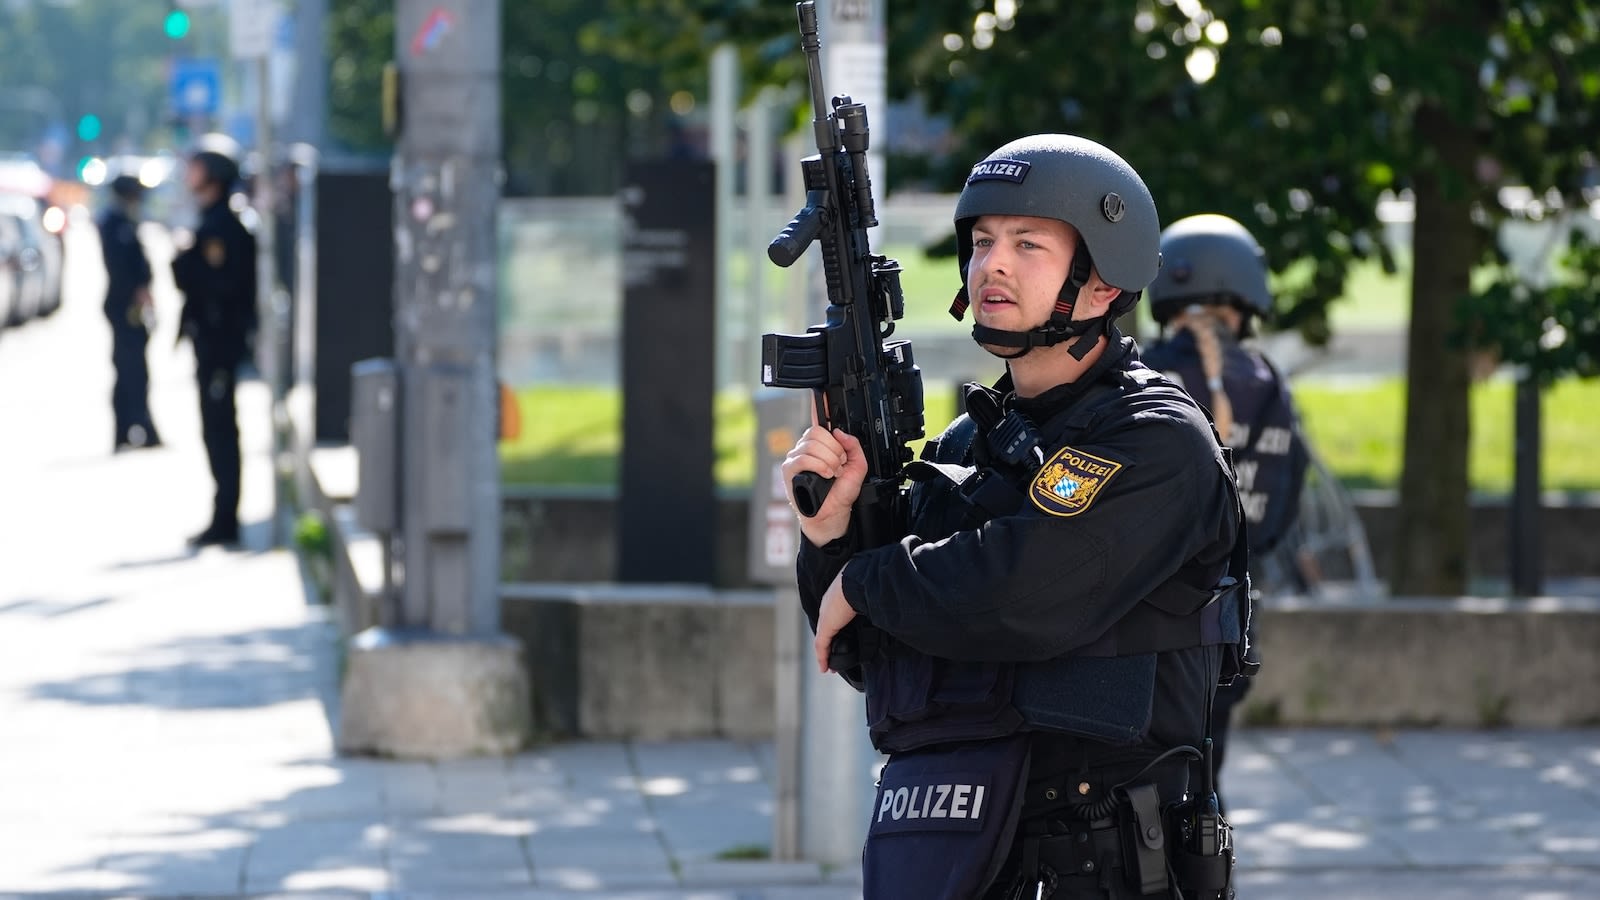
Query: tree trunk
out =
(1430, 554)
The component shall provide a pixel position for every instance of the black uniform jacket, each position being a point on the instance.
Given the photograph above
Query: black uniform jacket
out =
(217, 276)
(1137, 495)
(127, 269)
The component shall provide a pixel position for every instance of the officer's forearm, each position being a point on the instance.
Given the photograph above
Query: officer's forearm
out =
(815, 569)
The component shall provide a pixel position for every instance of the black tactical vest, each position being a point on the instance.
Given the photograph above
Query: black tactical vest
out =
(976, 470)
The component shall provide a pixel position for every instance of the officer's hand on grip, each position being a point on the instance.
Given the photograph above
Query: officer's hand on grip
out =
(837, 455)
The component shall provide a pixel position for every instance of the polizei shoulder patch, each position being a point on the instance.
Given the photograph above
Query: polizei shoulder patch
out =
(1012, 170)
(1070, 481)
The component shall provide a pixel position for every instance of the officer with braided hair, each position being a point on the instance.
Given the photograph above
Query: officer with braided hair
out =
(1211, 289)
(217, 275)
(1040, 650)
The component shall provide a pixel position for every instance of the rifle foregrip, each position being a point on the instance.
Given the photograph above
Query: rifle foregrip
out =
(795, 237)
(810, 489)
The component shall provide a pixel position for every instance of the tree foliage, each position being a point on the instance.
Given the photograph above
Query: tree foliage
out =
(1297, 117)
(585, 86)
(62, 61)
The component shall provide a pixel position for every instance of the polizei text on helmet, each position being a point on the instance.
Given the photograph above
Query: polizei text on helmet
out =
(1012, 170)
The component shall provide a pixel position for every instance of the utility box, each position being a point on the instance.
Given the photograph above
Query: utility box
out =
(444, 412)
(781, 417)
(375, 434)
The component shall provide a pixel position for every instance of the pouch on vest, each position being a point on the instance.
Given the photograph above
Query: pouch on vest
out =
(944, 820)
(914, 700)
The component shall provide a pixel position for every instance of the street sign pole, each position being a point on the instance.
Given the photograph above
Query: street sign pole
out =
(252, 26)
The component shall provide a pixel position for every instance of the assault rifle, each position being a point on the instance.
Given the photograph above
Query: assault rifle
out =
(862, 382)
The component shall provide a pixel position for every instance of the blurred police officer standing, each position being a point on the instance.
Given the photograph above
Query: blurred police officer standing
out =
(217, 275)
(1211, 289)
(129, 309)
(1040, 651)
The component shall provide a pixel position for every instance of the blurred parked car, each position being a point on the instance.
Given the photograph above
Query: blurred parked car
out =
(39, 257)
(10, 269)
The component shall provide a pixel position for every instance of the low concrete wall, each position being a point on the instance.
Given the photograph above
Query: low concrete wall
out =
(1474, 662)
(642, 661)
(668, 662)
(568, 534)
(645, 661)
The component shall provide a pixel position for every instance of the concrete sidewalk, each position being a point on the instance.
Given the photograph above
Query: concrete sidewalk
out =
(165, 724)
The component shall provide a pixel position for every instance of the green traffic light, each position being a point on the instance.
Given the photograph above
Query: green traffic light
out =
(176, 24)
(88, 128)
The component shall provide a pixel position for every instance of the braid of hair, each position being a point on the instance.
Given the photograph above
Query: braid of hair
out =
(1208, 333)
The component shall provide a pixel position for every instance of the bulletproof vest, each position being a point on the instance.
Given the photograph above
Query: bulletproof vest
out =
(978, 470)
(1269, 453)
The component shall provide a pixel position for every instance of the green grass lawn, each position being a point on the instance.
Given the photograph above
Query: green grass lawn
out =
(570, 436)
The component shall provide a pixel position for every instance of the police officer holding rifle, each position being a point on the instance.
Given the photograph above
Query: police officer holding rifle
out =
(1039, 609)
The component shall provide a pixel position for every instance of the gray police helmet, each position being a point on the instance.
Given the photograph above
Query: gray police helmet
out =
(1210, 257)
(1077, 181)
(218, 155)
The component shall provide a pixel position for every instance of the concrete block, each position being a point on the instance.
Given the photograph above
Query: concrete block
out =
(645, 662)
(678, 661)
(433, 697)
(647, 670)
(745, 673)
(1470, 662)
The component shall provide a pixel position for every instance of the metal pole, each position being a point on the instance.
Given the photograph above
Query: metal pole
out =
(1526, 571)
(273, 357)
(304, 340)
(446, 179)
(724, 140)
(1530, 244)
(309, 112)
(758, 200)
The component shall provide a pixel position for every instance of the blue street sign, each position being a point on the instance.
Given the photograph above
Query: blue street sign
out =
(195, 88)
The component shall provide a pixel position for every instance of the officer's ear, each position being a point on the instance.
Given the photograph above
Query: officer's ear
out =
(1095, 297)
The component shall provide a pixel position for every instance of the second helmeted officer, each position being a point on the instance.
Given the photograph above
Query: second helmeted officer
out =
(1211, 291)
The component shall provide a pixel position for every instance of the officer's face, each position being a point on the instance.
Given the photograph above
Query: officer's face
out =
(1018, 266)
(194, 177)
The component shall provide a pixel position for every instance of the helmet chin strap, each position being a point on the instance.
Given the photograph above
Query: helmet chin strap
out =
(1058, 328)
(1087, 331)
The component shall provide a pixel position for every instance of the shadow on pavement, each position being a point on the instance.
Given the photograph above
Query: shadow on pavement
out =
(231, 671)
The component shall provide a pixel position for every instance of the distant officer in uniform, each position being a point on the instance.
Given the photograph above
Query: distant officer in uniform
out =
(1211, 289)
(217, 275)
(1040, 651)
(128, 307)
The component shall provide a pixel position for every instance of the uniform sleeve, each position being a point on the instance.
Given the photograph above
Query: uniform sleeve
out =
(188, 267)
(1038, 584)
(815, 569)
(220, 263)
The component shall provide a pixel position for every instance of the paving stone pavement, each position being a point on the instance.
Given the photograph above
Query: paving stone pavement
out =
(165, 724)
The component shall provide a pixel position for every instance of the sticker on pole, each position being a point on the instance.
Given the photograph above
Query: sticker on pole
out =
(435, 28)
